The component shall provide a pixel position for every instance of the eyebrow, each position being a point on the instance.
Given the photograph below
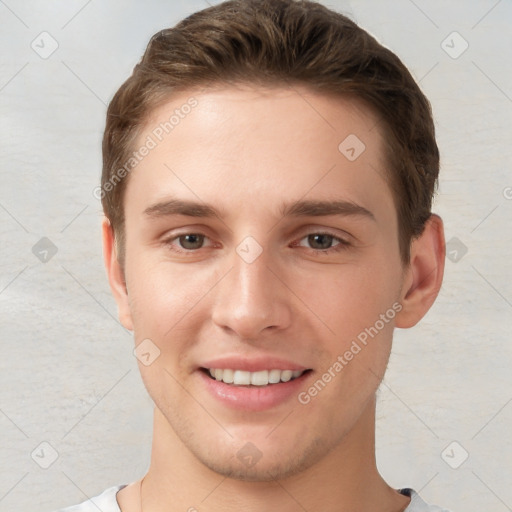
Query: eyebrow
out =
(299, 208)
(181, 207)
(322, 208)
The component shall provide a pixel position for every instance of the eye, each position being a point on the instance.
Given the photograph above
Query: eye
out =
(323, 242)
(186, 242)
(191, 241)
(317, 242)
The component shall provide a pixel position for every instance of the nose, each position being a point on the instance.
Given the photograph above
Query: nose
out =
(251, 300)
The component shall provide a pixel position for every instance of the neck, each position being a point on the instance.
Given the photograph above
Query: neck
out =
(344, 480)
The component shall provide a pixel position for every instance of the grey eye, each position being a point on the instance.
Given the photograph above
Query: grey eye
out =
(191, 241)
(320, 241)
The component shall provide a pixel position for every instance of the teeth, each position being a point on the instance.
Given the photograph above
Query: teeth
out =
(274, 376)
(241, 378)
(228, 376)
(286, 375)
(261, 378)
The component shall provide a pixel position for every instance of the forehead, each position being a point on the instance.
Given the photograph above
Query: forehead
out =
(245, 145)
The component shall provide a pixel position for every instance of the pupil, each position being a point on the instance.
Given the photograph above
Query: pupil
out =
(320, 241)
(191, 241)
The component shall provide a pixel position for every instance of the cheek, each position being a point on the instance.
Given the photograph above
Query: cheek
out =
(168, 305)
(357, 306)
(355, 357)
(350, 298)
(162, 294)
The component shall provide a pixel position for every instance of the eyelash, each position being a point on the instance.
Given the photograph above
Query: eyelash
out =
(340, 246)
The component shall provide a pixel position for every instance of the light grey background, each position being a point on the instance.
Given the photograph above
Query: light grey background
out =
(68, 376)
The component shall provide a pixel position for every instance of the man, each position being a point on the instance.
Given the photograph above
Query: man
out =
(267, 184)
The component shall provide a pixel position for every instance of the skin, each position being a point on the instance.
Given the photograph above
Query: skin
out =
(246, 151)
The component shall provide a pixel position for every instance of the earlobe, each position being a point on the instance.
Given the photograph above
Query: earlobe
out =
(424, 275)
(115, 275)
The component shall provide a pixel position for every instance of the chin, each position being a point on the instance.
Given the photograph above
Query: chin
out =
(258, 473)
(251, 465)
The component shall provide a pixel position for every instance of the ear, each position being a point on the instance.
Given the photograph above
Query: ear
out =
(115, 275)
(424, 276)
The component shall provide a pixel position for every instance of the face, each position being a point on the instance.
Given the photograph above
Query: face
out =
(262, 244)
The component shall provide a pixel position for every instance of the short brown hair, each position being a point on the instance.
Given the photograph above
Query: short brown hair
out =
(273, 42)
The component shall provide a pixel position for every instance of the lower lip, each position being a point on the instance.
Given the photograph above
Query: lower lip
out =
(254, 398)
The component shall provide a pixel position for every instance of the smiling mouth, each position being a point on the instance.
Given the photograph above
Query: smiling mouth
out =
(260, 378)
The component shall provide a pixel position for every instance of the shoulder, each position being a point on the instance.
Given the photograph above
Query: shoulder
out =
(417, 504)
(106, 502)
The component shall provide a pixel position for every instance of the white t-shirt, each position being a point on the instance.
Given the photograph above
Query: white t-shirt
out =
(106, 502)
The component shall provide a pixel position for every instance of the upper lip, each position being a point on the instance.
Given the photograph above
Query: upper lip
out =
(251, 364)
